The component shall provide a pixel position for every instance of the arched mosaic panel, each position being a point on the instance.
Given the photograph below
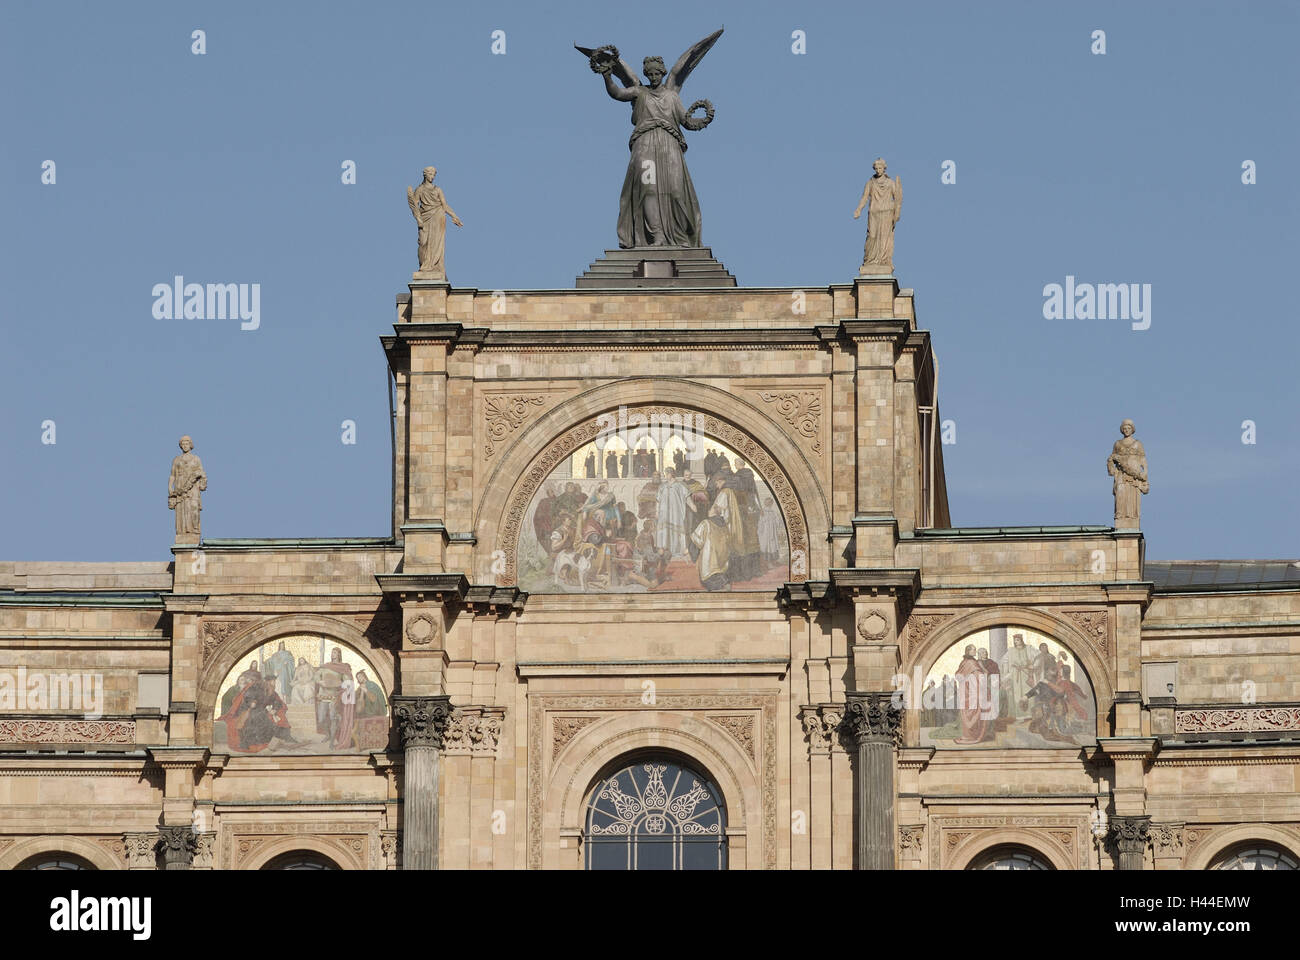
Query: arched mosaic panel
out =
(1007, 686)
(670, 510)
(301, 694)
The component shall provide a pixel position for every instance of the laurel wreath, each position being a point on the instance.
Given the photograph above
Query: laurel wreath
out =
(698, 123)
(602, 59)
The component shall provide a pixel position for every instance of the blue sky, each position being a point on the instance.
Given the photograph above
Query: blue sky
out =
(225, 167)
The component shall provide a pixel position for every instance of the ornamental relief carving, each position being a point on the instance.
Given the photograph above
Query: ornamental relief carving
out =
(473, 731)
(67, 731)
(1064, 832)
(351, 841)
(741, 728)
(765, 704)
(565, 729)
(1092, 624)
(821, 725)
(801, 410)
(919, 627)
(576, 437)
(217, 632)
(504, 413)
(1237, 720)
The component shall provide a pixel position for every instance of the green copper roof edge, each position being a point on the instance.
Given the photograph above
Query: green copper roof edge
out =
(79, 599)
(235, 542)
(956, 532)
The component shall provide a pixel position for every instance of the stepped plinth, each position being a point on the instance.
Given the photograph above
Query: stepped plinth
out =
(657, 267)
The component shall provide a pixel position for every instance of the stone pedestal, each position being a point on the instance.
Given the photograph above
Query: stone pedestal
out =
(422, 723)
(872, 725)
(657, 267)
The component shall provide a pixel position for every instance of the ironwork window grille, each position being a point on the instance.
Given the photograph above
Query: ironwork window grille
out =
(656, 814)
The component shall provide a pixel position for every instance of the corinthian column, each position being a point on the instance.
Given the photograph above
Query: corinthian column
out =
(1131, 835)
(421, 722)
(872, 724)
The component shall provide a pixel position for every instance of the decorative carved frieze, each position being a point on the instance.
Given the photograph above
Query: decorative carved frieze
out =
(565, 729)
(390, 845)
(802, 410)
(67, 731)
(1237, 720)
(141, 850)
(473, 731)
(909, 838)
(1092, 623)
(919, 628)
(741, 728)
(503, 414)
(955, 831)
(821, 724)
(217, 632)
(1167, 839)
(421, 721)
(203, 851)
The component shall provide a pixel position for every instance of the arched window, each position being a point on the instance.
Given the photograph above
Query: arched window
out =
(56, 861)
(1009, 858)
(656, 814)
(1256, 856)
(301, 860)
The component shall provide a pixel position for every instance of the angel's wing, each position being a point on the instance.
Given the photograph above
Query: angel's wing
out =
(620, 70)
(688, 60)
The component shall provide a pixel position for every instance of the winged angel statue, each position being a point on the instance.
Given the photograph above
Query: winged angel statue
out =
(658, 206)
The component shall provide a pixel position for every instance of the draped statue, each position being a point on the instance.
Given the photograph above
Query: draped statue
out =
(1127, 463)
(658, 206)
(430, 208)
(885, 197)
(184, 487)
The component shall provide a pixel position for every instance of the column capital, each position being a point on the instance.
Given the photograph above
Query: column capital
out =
(872, 718)
(1130, 836)
(177, 844)
(421, 721)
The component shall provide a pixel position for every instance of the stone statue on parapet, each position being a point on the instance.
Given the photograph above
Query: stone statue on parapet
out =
(886, 199)
(1127, 463)
(658, 206)
(184, 487)
(430, 208)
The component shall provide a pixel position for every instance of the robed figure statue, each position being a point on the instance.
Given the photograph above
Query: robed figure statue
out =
(658, 206)
(1127, 463)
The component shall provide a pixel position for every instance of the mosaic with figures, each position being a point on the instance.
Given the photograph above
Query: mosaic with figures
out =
(301, 695)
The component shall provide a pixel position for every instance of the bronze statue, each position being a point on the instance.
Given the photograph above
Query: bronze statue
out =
(658, 206)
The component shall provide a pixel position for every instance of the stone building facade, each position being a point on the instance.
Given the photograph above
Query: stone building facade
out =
(542, 707)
